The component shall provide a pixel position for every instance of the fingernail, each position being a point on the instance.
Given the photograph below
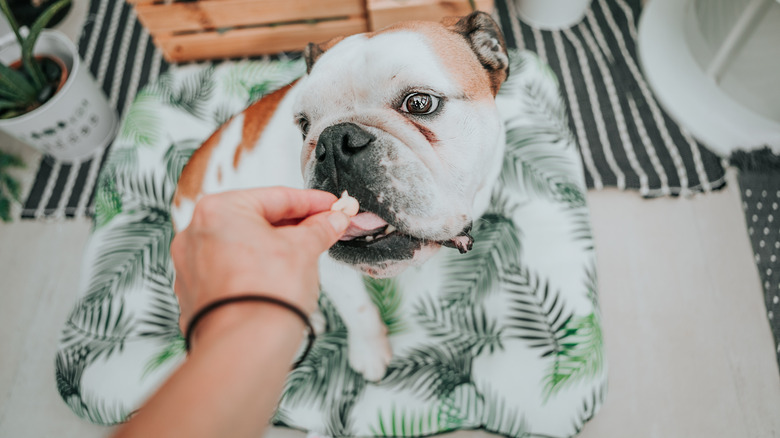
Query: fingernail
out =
(339, 221)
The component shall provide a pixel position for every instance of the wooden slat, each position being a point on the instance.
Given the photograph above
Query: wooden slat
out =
(209, 15)
(254, 41)
(382, 13)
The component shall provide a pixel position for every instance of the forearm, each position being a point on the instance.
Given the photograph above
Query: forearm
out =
(231, 382)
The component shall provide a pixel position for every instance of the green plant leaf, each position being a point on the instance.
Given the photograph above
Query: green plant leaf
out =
(472, 275)
(7, 104)
(386, 296)
(582, 230)
(497, 417)
(433, 370)
(325, 371)
(142, 125)
(590, 405)
(404, 422)
(222, 114)
(146, 192)
(536, 164)
(124, 247)
(10, 160)
(250, 80)
(31, 65)
(581, 355)
(12, 21)
(174, 349)
(10, 189)
(100, 411)
(591, 284)
(108, 202)
(69, 366)
(464, 328)
(101, 329)
(339, 421)
(5, 209)
(162, 321)
(177, 156)
(190, 94)
(15, 86)
(123, 160)
(537, 315)
(12, 186)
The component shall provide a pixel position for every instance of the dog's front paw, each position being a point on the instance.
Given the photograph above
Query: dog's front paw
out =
(370, 355)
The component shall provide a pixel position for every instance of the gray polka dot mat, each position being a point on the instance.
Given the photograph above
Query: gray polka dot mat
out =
(759, 181)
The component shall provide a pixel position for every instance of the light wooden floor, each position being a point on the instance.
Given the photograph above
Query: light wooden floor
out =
(689, 347)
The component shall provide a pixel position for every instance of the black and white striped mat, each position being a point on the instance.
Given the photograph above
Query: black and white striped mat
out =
(626, 139)
(122, 58)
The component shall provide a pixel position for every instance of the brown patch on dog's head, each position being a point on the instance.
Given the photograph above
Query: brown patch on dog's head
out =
(471, 47)
(487, 42)
(459, 41)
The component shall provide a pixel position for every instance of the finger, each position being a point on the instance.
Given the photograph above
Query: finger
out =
(320, 231)
(276, 204)
(288, 222)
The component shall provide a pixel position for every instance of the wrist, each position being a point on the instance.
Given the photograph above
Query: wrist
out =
(247, 320)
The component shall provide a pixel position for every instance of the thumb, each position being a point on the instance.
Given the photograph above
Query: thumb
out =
(324, 229)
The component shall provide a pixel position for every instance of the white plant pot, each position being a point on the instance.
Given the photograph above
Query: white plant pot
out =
(77, 121)
(552, 14)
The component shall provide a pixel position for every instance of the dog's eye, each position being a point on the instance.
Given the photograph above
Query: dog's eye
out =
(420, 103)
(303, 124)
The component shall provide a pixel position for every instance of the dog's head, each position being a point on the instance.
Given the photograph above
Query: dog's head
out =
(404, 120)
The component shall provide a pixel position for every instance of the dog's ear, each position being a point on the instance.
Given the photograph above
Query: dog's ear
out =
(487, 41)
(313, 51)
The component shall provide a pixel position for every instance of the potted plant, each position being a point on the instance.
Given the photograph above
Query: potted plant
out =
(47, 98)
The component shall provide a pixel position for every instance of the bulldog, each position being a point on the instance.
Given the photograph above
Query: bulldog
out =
(404, 120)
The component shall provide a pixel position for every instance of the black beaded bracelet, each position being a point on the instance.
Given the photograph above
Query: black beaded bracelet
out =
(256, 298)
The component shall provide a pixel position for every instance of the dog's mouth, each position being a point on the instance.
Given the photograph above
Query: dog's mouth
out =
(365, 228)
(368, 229)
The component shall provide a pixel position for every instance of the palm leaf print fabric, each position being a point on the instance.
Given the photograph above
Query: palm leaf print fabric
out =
(506, 338)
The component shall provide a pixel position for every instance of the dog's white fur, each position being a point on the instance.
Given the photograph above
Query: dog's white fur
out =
(356, 81)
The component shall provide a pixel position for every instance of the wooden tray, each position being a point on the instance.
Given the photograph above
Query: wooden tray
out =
(209, 29)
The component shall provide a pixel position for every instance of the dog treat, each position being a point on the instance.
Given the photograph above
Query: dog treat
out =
(346, 204)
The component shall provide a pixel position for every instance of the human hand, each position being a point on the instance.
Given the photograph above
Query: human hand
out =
(265, 241)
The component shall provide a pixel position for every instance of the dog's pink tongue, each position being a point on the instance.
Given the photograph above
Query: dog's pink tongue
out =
(364, 224)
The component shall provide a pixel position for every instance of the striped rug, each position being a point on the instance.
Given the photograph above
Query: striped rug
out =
(122, 58)
(626, 139)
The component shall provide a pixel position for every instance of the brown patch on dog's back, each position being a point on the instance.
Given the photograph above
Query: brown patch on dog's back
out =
(256, 118)
(191, 179)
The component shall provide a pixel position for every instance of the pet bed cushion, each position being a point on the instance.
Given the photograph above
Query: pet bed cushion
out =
(505, 338)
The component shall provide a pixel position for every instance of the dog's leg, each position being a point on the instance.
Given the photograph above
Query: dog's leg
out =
(369, 348)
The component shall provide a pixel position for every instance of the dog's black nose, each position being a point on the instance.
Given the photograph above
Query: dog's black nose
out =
(342, 141)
